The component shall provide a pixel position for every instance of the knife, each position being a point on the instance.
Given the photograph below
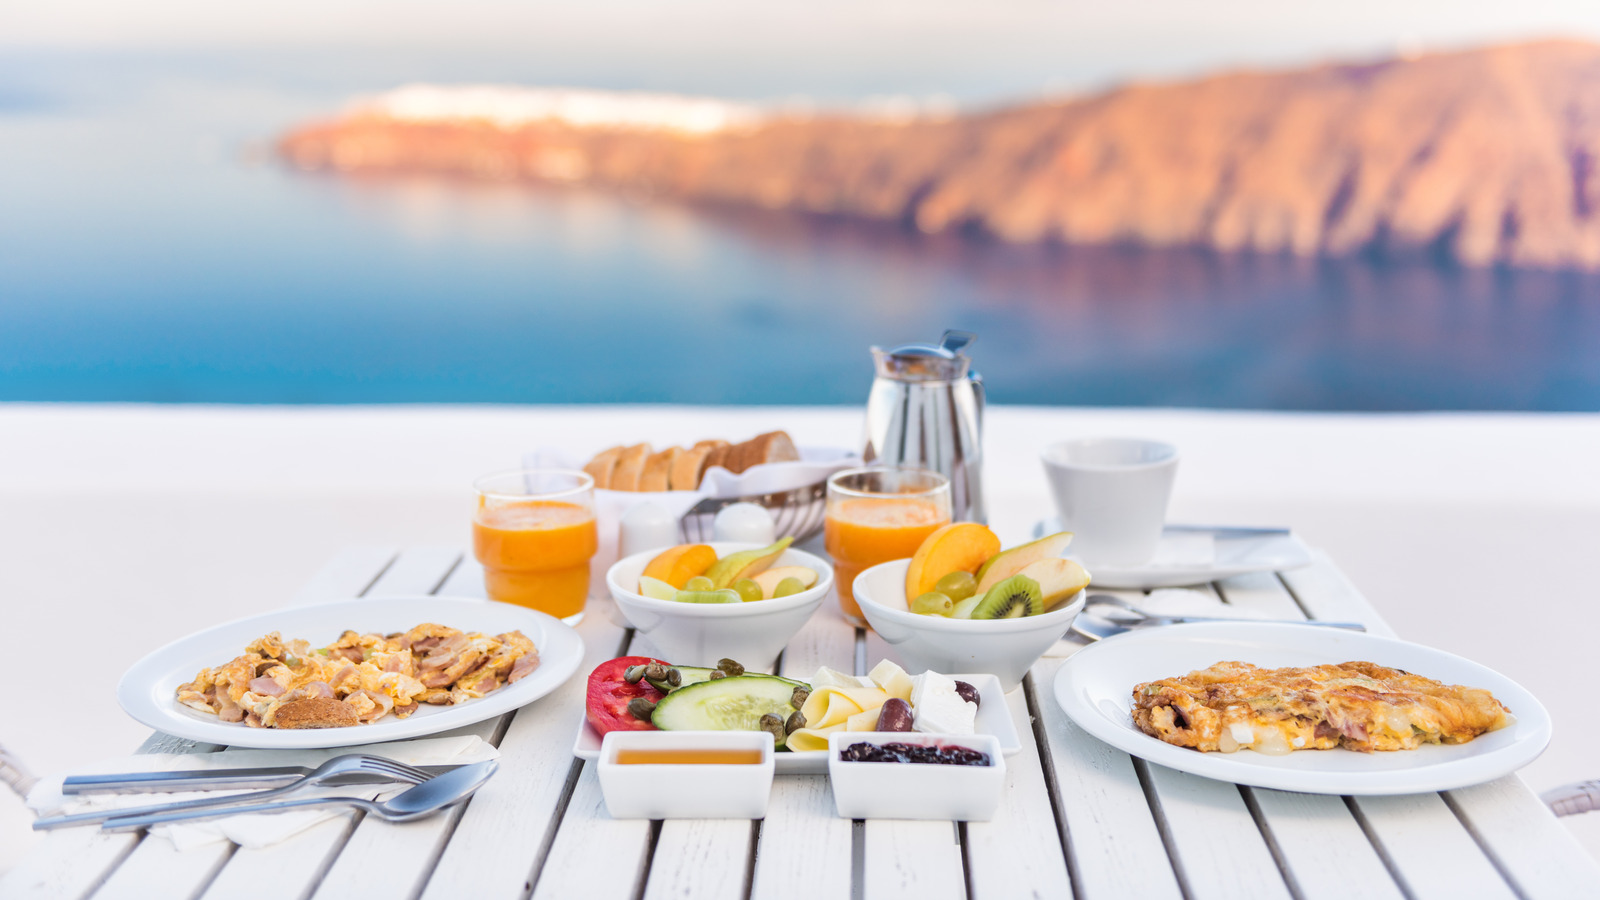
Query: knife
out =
(214, 780)
(1094, 628)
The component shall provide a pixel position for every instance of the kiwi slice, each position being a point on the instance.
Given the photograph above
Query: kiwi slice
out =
(1012, 598)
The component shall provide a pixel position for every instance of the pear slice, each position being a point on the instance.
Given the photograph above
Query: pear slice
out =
(770, 578)
(745, 564)
(1059, 579)
(1007, 563)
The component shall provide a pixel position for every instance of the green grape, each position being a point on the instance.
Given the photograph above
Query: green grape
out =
(932, 603)
(787, 586)
(748, 590)
(699, 583)
(723, 596)
(958, 586)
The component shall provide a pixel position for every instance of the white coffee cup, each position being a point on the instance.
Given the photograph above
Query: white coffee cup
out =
(1112, 494)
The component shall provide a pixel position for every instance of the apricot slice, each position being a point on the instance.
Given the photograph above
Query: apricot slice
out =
(957, 547)
(676, 565)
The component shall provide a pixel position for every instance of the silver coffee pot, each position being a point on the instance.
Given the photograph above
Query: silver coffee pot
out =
(926, 409)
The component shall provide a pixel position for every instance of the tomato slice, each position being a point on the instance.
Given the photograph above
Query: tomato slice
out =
(606, 705)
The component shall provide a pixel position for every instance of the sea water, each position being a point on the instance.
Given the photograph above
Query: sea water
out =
(153, 249)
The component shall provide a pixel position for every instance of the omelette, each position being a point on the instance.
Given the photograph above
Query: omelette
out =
(1355, 705)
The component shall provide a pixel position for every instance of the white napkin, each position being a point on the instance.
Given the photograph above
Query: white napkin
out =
(815, 464)
(259, 829)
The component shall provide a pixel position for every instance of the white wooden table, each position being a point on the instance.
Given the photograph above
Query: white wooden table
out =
(1079, 818)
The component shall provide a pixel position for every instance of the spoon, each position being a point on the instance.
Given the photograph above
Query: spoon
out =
(1136, 617)
(337, 767)
(413, 803)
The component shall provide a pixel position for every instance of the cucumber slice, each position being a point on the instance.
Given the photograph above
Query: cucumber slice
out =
(689, 675)
(727, 704)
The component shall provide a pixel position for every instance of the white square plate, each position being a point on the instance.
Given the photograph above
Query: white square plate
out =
(994, 717)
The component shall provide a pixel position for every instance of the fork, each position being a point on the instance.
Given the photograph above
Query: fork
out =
(333, 768)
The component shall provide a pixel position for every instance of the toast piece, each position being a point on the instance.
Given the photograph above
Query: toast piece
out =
(630, 465)
(687, 469)
(774, 446)
(718, 457)
(657, 467)
(317, 712)
(601, 467)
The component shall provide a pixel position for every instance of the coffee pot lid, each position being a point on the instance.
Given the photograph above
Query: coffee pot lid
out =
(927, 362)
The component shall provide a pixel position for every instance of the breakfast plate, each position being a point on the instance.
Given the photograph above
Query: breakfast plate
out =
(148, 691)
(994, 718)
(1196, 555)
(1095, 688)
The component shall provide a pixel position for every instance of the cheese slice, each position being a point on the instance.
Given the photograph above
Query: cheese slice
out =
(803, 740)
(828, 707)
(866, 720)
(827, 677)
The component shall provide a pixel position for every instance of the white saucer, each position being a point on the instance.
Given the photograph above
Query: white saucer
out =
(1236, 552)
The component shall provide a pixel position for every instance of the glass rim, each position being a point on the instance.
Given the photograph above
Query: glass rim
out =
(585, 483)
(943, 482)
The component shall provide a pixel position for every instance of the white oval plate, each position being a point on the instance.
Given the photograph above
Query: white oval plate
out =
(1095, 687)
(994, 717)
(148, 691)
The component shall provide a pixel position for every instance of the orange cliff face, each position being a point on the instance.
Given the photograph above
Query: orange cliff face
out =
(1488, 156)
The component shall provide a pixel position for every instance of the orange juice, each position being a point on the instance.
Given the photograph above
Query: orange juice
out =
(536, 553)
(862, 532)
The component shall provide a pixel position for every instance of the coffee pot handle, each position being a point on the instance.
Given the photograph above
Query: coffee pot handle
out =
(976, 381)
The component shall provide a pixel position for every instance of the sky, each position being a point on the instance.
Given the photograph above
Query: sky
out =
(970, 50)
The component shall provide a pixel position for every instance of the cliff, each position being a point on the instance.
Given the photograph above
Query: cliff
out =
(1485, 156)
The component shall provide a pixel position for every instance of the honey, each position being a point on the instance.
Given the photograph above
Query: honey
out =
(699, 756)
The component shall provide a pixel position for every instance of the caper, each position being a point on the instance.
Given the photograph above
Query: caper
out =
(800, 696)
(674, 677)
(632, 674)
(729, 666)
(641, 708)
(797, 721)
(718, 674)
(655, 672)
(772, 723)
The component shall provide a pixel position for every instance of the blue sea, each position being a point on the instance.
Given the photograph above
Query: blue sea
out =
(153, 249)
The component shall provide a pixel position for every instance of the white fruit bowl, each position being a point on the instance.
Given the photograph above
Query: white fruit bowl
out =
(1005, 648)
(699, 634)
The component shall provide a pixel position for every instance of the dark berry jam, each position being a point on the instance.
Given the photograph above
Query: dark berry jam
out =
(946, 754)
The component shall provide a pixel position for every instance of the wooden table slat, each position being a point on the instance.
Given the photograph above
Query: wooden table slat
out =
(1115, 846)
(349, 573)
(899, 856)
(493, 853)
(1125, 824)
(1533, 848)
(1427, 846)
(1019, 852)
(594, 856)
(157, 868)
(700, 859)
(1327, 853)
(1219, 846)
(261, 873)
(67, 864)
(802, 828)
(910, 859)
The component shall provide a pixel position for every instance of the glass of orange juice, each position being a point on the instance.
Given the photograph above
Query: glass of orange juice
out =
(878, 514)
(534, 533)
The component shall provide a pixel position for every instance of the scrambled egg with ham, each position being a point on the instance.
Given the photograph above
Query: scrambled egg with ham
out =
(359, 678)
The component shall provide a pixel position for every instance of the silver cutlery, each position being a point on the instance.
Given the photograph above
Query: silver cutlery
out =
(340, 766)
(1125, 617)
(217, 779)
(414, 802)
